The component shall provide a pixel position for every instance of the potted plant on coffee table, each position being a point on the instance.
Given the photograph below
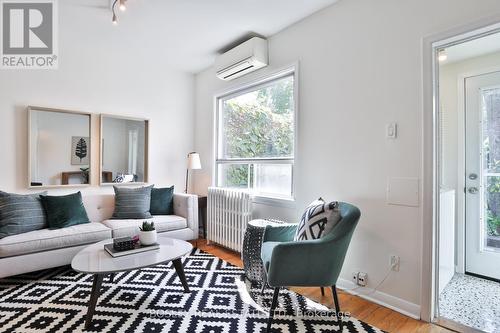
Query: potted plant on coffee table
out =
(147, 234)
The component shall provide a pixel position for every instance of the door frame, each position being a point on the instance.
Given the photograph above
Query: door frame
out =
(431, 153)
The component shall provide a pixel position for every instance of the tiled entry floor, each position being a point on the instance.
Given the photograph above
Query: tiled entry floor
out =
(472, 301)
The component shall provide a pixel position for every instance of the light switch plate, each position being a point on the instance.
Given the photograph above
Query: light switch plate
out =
(403, 191)
(391, 130)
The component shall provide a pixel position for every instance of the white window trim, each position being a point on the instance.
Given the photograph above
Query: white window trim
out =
(247, 87)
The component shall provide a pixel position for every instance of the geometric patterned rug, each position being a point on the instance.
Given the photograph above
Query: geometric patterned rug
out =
(152, 300)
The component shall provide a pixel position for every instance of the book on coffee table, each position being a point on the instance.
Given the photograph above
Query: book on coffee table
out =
(138, 249)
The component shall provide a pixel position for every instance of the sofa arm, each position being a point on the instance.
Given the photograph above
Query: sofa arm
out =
(186, 205)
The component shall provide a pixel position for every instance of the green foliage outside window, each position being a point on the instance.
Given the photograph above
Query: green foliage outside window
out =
(257, 124)
(491, 161)
(493, 222)
(493, 203)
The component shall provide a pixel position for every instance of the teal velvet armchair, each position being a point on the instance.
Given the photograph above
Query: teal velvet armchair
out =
(309, 263)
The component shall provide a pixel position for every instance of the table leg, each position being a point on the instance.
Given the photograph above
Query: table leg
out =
(180, 272)
(96, 288)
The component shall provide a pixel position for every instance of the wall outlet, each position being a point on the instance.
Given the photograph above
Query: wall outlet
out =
(362, 279)
(395, 260)
(355, 277)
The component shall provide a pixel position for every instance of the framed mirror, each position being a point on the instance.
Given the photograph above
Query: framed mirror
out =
(124, 150)
(59, 147)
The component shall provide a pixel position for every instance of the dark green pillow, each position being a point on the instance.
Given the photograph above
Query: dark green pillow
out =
(162, 201)
(64, 211)
(21, 213)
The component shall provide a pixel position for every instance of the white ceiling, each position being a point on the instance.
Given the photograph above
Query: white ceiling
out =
(473, 48)
(188, 33)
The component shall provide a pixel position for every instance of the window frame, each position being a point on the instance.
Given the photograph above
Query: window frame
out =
(249, 86)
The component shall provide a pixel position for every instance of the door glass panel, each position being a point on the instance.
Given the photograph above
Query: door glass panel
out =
(491, 167)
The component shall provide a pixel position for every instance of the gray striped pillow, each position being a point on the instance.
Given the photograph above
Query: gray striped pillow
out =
(132, 203)
(21, 213)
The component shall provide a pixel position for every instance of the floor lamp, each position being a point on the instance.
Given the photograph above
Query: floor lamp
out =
(193, 163)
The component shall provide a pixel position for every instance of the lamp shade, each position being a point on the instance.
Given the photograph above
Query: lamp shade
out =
(194, 161)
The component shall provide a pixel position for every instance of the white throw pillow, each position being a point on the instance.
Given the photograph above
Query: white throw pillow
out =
(318, 220)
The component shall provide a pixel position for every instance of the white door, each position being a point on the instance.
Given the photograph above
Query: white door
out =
(482, 178)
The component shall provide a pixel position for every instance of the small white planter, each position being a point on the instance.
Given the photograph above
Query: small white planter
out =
(147, 237)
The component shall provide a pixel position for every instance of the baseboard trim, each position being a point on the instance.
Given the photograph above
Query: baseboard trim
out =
(394, 303)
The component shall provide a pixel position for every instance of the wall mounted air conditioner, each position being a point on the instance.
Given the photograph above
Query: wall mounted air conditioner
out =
(243, 59)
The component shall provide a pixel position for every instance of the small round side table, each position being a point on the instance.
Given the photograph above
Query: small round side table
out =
(252, 244)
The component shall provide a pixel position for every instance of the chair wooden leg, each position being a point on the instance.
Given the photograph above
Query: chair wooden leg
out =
(273, 307)
(322, 291)
(337, 307)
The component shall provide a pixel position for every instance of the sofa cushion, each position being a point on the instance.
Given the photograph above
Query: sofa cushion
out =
(162, 201)
(46, 239)
(130, 227)
(65, 210)
(132, 203)
(21, 213)
(99, 207)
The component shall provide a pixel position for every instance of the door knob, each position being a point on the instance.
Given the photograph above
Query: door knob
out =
(473, 190)
(473, 176)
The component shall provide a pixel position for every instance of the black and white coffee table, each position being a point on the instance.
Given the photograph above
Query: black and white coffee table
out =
(96, 261)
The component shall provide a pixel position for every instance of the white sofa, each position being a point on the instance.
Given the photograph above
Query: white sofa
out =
(46, 248)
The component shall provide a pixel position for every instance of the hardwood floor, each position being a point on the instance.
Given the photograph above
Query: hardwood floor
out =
(371, 313)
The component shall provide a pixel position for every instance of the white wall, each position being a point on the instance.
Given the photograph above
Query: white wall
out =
(99, 72)
(360, 68)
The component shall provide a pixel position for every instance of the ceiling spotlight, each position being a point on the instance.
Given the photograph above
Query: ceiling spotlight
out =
(115, 20)
(442, 56)
(122, 6)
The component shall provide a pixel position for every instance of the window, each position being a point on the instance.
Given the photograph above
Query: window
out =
(256, 138)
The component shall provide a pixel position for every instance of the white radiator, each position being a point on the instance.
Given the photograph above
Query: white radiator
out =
(228, 212)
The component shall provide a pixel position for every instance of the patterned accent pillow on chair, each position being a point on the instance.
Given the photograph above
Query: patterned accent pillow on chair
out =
(318, 220)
